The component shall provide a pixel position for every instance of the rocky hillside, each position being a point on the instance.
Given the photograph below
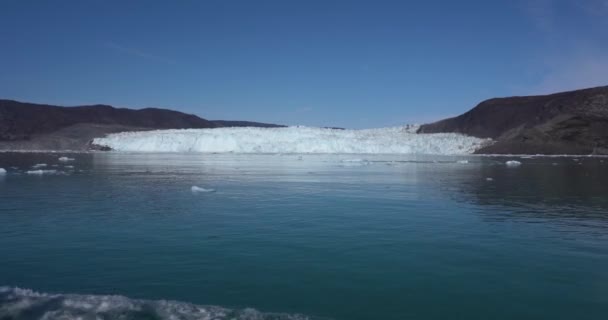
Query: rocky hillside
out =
(574, 122)
(28, 126)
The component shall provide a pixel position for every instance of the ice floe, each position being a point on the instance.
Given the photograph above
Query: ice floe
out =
(196, 189)
(39, 165)
(397, 140)
(513, 163)
(66, 159)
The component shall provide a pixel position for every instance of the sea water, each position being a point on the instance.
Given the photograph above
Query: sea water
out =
(285, 236)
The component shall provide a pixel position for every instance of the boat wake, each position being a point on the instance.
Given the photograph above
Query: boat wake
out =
(16, 303)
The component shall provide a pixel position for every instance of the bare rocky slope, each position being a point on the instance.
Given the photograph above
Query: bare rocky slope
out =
(28, 126)
(574, 122)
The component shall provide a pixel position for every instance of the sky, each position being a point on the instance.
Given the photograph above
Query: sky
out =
(354, 64)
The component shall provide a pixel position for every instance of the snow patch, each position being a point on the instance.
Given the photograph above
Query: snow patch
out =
(397, 140)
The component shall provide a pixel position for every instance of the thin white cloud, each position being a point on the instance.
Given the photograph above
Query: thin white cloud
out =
(583, 70)
(570, 62)
(136, 52)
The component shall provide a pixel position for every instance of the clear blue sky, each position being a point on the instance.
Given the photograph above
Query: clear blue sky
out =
(344, 63)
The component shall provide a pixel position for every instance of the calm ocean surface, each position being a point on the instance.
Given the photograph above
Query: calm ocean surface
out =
(324, 236)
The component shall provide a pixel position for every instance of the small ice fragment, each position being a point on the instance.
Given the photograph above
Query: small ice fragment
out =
(41, 172)
(2, 171)
(196, 189)
(66, 159)
(489, 179)
(462, 161)
(69, 167)
(513, 163)
(39, 165)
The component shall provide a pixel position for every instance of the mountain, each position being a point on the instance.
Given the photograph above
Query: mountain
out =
(574, 122)
(28, 126)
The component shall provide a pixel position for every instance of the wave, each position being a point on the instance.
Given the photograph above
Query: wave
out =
(17, 303)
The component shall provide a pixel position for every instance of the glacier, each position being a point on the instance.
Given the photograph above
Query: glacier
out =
(297, 139)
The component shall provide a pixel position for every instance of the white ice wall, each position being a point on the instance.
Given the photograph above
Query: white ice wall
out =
(398, 140)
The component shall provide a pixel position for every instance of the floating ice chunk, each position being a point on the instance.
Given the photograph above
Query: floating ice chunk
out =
(513, 163)
(39, 165)
(69, 167)
(2, 171)
(462, 161)
(66, 159)
(489, 179)
(41, 172)
(196, 189)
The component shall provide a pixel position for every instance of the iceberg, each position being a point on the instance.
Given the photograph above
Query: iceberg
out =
(2, 171)
(396, 140)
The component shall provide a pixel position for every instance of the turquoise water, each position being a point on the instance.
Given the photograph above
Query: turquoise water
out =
(339, 237)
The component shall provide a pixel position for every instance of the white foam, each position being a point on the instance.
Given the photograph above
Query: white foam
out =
(196, 189)
(513, 163)
(66, 159)
(41, 172)
(398, 140)
(16, 303)
(2, 171)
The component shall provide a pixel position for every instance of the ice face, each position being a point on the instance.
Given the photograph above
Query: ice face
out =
(398, 140)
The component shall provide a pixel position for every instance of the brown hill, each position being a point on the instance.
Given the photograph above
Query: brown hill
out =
(574, 122)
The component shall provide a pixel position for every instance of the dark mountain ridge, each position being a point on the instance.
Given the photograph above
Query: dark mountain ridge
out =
(573, 122)
(40, 126)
